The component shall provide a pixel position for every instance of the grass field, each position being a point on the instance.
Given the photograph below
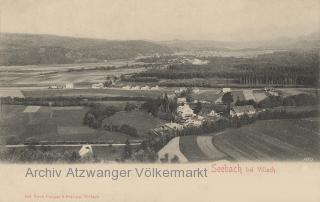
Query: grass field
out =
(92, 93)
(46, 75)
(140, 120)
(51, 124)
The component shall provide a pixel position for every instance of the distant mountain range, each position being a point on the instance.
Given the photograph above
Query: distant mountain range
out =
(311, 41)
(26, 49)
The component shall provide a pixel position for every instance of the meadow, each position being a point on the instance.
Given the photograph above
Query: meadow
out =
(51, 124)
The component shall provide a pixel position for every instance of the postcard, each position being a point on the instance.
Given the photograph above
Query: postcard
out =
(172, 100)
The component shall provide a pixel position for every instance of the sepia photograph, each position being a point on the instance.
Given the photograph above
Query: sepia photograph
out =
(160, 82)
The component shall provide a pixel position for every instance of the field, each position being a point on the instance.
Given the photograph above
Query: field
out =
(140, 120)
(51, 124)
(192, 149)
(47, 75)
(272, 140)
(92, 93)
(172, 149)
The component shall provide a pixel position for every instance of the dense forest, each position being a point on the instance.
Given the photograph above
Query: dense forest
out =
(280, 68)
(26, 49)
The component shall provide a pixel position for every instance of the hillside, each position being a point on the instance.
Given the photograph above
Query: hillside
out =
(26, 49)
(306, 42)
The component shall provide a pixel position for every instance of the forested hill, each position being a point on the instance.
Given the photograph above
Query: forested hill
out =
(25, 49)
(306, 42)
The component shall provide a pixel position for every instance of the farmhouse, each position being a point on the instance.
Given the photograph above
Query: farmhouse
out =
(196, 90)
(181, 100)
(185, 111)
(145, 88)
(69, 85)
(194, 121)
(180, 90)
(242, 110)
(97, 85)
(173, 126)
(212, 113)
(225, 90)
(155, 88)
(85, 150)
(53, 87)
(127, 87)
(136, 88)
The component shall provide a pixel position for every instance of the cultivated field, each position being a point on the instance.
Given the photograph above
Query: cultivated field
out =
(50, 124)
(200, 148)
(272, 140)
(92, 93)
(172, 149)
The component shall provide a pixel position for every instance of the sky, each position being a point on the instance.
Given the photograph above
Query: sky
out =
(221, 20)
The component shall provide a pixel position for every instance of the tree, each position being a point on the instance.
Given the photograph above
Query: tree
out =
(175, 159)
(130, 106)
(127, 151)
(198, 108)
(227, 99)
(129, 130)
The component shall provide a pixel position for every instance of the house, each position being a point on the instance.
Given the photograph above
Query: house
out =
(180, 90)
(145, 88)
(181, 100)
(225, 90)
(97, 85)
(271, 92)
(242, 110)
(173, 126)
(69, 85)
(85, 150)
(185, 111)
(155, 88)
(196, 90)
(136, 88)
(194, 121)
(53, 87)
(218, 101)
(212, 113)
(127, 87)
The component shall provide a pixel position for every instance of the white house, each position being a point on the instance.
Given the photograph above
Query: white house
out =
(241, 110)
(196, 121)
(97, 85)
(181, 100)
(185, 111)
(85, 150)
(180, 90)
(145, 88)
(136, 88)
(155, 88)
(219, 101)
(173, 126)
(69, 85)
(196, 90)
(53, 87)
(212, 113)
(127, 87)
(226, 90)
